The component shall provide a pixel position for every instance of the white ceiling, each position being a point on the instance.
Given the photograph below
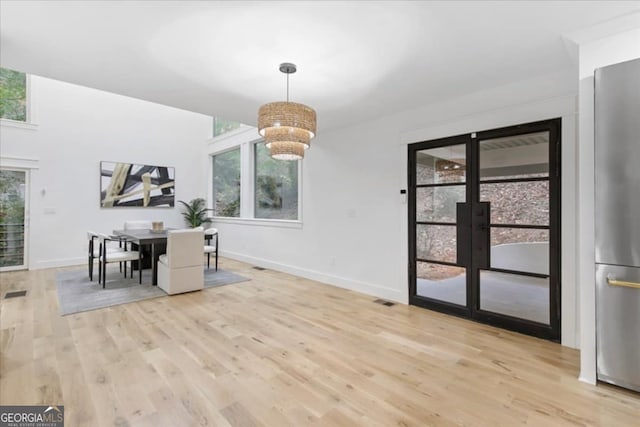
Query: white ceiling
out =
(356, 60)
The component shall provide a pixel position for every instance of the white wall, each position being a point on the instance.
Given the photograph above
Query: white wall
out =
(77, 127)
(354, 231)
(593, 54)
(532, 257)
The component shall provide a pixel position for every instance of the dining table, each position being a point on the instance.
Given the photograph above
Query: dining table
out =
(156, 239)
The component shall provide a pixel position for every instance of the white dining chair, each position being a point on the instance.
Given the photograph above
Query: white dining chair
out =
(94, 250)
(107, 257)
(211, 234)
(138, 225)
(180, 269)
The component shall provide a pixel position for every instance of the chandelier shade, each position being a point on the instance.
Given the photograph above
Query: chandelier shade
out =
(286, 135)
(286, 150)
(287, 127)
(287, 121)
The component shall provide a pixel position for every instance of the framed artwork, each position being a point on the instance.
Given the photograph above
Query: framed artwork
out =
(132, 185)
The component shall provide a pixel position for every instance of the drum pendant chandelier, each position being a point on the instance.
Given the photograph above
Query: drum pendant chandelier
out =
(287, 127)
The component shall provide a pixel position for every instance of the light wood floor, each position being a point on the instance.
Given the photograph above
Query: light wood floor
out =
(280, 350)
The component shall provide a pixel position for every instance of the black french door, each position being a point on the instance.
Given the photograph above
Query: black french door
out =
(484, 227)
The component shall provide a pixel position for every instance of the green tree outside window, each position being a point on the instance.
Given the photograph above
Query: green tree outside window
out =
(12, 195)
(221, 126)
(226, 184)
(276, 186)
(13, 95)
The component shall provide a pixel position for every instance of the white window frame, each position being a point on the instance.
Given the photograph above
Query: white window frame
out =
(246, 137)
(31, 120)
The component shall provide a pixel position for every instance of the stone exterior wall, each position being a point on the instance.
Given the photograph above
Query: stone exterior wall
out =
(511, 203)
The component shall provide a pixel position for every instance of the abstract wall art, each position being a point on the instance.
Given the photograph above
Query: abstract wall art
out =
(132, 185)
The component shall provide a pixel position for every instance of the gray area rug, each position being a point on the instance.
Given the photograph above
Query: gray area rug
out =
(76, 293)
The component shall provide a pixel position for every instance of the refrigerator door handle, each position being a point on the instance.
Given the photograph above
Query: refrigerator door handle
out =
(613, 282)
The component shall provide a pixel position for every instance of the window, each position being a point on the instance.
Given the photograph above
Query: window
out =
(276, 186)
(226, 183)
(221, 126)
(247, 186)
(13, 95)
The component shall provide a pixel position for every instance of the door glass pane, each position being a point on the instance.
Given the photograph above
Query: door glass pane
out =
(442, 282)
(438, 204)
(517, 202)
(441, 165)
(436, 242)
(515, 295)
(520, 249)
(12, 208)
(518, 156)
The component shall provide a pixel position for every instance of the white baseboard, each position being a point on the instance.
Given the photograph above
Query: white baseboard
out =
(55, 263)
(341, 282)
(589, 379)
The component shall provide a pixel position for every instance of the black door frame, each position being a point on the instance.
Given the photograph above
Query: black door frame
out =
(469, 223)
(463, 249)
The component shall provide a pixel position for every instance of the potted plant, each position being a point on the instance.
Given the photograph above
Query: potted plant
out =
(195, 212)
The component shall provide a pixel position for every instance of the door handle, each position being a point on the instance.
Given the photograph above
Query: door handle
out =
(623, 283)
(480, 235)
(463, 229)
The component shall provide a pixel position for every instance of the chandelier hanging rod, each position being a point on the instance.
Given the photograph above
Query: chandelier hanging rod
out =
(288, 68)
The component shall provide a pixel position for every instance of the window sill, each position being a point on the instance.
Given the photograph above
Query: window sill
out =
(18, 125)
(279, 223)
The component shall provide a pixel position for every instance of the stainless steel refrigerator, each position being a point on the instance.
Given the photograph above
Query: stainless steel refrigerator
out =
(617, 214)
